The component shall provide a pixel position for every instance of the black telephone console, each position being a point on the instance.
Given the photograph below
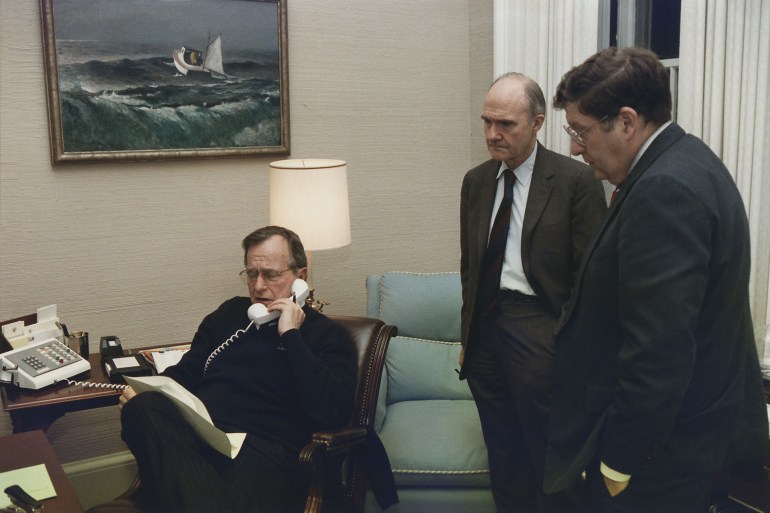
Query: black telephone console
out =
(116, 365)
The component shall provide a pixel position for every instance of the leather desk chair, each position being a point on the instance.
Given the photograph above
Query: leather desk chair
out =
(333, 460)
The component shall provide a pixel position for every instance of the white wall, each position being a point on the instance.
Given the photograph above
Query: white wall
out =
(144, 250)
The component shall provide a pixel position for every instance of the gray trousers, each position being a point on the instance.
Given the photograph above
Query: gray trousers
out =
(510, 378)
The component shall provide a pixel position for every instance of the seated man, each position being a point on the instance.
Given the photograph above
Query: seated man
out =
(278, 384)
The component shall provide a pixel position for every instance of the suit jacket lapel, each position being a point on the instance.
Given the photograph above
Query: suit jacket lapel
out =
(539, 191)
(486, 200)
(665, 139)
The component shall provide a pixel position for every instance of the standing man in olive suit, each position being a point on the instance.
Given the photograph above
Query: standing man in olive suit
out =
(518, 264)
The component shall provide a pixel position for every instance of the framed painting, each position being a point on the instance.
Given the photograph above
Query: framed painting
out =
(151, 80)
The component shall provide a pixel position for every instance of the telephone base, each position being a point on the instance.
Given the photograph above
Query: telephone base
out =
(39, 364)
(132, 365)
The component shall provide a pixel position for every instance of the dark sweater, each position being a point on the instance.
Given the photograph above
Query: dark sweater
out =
(277, 388)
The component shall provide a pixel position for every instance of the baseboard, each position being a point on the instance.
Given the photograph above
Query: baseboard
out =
(101, 479)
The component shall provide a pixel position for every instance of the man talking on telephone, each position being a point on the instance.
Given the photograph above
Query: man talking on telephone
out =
(278, 384)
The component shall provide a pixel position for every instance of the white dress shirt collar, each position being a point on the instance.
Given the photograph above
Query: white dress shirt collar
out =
(524, 171)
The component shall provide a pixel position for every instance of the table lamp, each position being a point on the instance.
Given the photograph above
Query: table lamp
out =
(310, 197)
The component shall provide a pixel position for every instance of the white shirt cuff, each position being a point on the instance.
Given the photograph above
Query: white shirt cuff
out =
(613, 474)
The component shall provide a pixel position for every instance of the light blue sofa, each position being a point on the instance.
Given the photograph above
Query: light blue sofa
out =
(426, 417)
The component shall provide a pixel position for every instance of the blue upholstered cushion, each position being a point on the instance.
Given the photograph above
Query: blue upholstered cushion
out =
(426, 416)
(421, 305)
(436, 443)
(423, 369)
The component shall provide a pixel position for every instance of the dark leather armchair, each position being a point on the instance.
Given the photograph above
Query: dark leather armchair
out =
(333, 460)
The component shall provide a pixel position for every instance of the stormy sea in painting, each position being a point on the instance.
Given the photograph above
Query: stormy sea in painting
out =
(112, 101)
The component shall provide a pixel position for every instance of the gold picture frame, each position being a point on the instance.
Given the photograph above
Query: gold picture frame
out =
(149, 80)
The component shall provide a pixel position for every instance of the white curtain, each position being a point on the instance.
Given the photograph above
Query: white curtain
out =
(544, 39)
(724, 91)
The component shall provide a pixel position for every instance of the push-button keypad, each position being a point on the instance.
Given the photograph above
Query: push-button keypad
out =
(49, 357)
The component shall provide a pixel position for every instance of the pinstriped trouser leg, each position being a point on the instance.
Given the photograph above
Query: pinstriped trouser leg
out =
(181, 473)
(175, 466)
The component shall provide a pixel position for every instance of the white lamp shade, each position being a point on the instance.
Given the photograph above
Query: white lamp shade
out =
(310, 197)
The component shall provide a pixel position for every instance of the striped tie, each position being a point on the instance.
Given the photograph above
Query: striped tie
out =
(492, 266)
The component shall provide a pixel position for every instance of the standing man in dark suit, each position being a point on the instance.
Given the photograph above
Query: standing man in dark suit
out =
(656, 366)
(513, 295)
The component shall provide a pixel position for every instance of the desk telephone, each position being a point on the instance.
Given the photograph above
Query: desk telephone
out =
(260, 316)
(42, 363)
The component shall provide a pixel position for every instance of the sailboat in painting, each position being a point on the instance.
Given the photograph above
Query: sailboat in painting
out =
(188, 60)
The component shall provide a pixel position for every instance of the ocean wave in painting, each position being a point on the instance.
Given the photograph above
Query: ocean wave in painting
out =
(143, 103)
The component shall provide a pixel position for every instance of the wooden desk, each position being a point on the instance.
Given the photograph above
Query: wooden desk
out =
(27, 449)
(38, 409)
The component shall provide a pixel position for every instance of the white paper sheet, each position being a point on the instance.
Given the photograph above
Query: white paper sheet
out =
(166, 358)
(193, 411)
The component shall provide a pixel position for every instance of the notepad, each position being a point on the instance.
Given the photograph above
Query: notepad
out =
(34, 480)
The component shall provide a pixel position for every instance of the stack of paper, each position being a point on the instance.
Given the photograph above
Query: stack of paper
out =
(164, 357)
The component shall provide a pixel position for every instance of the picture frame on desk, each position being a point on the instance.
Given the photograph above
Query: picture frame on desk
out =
(132, 81)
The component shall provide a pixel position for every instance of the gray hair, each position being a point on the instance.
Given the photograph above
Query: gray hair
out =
(535, 97)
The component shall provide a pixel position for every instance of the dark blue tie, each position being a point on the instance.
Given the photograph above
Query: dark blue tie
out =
(488, 294)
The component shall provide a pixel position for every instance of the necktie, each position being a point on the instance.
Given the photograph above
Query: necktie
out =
(492, 265)
(614, 194)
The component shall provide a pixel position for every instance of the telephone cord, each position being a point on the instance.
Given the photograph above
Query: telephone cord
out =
(224, 345)
(90, 384)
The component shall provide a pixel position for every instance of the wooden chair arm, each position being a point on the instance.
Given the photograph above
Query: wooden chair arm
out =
(321, 460)
(323, 443)
(340, 440)
(334, 460)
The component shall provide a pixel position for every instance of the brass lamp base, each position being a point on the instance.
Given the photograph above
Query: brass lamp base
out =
(316, 304)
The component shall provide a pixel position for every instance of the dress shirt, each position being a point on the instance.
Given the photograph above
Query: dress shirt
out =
(512, 277)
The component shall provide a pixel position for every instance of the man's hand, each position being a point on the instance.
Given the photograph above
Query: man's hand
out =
(615, 487)
(127, 394)
(291, 317)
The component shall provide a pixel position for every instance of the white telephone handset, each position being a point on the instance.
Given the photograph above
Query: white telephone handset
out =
(258, 312)
(259, 315)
